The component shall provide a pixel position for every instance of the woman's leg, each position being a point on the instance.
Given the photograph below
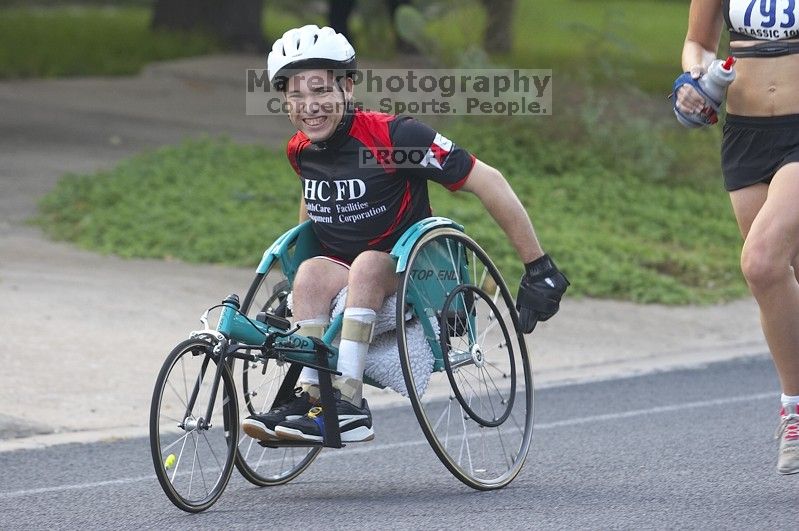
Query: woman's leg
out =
(769, 262)
(771, 247)
(746, 203)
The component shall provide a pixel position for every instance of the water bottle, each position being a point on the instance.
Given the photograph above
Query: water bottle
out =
(718, 77)
(714, 83)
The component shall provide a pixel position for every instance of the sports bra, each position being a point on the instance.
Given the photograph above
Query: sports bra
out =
(770, 21)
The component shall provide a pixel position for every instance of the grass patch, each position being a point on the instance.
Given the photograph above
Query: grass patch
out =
(201, 201)
(622, 204)
(629, 40)
(84, 40)
(609, 41)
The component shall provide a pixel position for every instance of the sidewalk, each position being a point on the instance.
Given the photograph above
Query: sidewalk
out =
(89, 332)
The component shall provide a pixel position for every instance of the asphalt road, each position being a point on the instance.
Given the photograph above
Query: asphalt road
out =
(680, 449)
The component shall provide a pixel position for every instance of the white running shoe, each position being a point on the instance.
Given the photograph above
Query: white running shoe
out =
(788, 434)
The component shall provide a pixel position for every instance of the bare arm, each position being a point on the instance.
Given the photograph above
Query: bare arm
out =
(705, 21)
(303, 210)
(489, 185)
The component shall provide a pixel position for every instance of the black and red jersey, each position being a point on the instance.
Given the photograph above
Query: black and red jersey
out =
(368, 183)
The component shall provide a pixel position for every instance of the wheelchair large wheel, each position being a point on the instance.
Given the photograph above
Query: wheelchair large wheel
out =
(260, 465)
(193, 454)
(476, 410)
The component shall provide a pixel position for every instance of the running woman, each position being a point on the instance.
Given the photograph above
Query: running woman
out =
(760, 163)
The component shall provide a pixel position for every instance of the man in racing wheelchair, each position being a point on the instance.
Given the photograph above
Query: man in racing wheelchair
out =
(358, 212)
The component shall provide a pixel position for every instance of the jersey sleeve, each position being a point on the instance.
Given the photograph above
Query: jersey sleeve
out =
(422, 152)
(293, 149)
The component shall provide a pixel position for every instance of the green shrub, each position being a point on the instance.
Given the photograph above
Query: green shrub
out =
(70, 41)
(623, 227)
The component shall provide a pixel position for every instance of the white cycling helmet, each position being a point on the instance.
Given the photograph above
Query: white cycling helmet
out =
(308, 48)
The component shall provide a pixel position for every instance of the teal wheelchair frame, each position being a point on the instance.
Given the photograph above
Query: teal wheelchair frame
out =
(477, 411)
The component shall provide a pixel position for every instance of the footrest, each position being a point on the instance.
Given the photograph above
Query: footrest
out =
(283, 444)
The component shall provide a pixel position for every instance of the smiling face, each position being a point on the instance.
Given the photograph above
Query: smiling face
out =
(316, 102)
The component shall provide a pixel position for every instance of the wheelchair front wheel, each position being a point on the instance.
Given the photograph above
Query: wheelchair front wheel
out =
(476, 411)
(261, 381)
(193, 454)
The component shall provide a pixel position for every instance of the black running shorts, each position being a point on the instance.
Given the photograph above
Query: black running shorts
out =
(755, 147)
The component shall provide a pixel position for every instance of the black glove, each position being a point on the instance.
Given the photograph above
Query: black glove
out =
(540, 291)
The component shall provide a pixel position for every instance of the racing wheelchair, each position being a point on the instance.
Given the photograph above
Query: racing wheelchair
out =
(473, 399)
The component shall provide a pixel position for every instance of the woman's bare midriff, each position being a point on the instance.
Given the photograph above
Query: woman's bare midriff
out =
(764, 86)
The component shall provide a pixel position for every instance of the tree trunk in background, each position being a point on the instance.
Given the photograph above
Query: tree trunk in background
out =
(338, 16)
(499, 26)
(237, 23)
(339, 12)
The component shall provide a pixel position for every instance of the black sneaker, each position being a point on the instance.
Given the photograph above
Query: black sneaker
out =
(354, 422)
(262, 425)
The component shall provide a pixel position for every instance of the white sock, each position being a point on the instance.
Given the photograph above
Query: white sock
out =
(788, 401)
(352, 354)
(314, 327)
(308, 377)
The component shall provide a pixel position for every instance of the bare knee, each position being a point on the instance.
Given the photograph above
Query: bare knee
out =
(315, 285)
(763, 265)
(372, 278)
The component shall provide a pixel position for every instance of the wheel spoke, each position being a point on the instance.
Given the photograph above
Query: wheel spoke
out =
(519, 427)
(213, 453)
(488, 397)
(261, 457)
(193, 462)
(283, 459)
(469, 323)
(480, 356)
(172, 387)
(181, 438)
(185, 383)
(167, 417)
(249, 448)
(465, 442)
(200, 464)
(267, 395)
(466, 382)
(443, 414)
(449, 252)
(180, 456)
(498, 369)
(505, 454)
(493, 384)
